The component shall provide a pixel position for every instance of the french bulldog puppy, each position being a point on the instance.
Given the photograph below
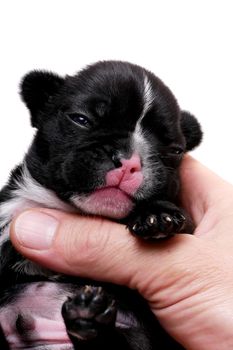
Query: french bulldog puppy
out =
(109, 141)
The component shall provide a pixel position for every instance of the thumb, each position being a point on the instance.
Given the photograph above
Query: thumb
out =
(74, 244)
(170, 275)
(94, 248)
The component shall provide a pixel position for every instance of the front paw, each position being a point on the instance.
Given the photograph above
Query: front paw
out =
(88, 312)
(157, 226)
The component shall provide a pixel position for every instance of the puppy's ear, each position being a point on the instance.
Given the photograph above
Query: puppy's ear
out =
(191, 130)
(36, 89)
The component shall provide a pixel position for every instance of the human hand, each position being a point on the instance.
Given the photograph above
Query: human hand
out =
(187, 280)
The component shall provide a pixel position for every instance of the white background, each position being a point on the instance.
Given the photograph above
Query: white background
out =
(188, 44)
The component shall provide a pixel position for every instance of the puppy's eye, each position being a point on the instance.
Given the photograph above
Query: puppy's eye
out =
(79, 119)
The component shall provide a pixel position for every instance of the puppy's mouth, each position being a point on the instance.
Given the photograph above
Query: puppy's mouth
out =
(116, 198)
(107, 201)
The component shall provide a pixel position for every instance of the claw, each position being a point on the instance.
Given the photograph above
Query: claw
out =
(135, 227)
(152, 219)
(99, 290)
(168, 218)
(87, 289)
(183, 218)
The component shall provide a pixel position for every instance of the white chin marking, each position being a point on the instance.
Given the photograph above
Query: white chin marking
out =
(108, 207)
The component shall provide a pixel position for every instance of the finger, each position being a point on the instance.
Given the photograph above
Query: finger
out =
(201, 188)
(96, 248)
(168, 275)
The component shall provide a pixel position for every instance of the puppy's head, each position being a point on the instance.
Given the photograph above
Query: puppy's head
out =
(108, 137)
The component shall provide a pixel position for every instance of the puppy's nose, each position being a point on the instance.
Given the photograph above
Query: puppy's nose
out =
(128, 177)
(132, 165)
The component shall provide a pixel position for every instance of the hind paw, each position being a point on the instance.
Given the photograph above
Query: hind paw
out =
(88, 312)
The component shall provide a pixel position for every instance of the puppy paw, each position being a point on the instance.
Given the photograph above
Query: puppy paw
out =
(89, 312)
(157, 226)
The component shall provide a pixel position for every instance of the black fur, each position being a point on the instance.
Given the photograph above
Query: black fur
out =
(85, 126)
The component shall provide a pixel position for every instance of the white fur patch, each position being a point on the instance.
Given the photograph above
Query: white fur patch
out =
(140, 141)
(4, 235)
(142, 146)
(30, 194)
(148, 96)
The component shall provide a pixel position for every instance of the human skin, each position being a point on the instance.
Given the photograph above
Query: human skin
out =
(187, 280)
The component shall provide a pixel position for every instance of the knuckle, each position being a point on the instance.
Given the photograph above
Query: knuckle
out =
(84, 242)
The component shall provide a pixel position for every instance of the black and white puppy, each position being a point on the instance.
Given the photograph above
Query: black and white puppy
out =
(109, 142)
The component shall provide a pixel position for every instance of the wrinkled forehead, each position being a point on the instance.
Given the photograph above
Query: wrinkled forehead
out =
(127, 97)
(120, 95)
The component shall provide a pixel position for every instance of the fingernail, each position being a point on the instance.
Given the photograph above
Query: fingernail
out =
(35, 230)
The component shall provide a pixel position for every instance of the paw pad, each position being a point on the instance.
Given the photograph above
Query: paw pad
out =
(87, 312)
(157, 226)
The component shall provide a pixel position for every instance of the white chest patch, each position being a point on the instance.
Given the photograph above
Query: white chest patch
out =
(29, 194)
